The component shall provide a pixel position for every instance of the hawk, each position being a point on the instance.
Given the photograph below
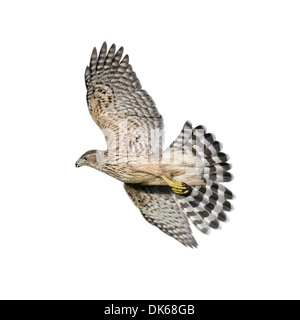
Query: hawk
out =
(170, 187)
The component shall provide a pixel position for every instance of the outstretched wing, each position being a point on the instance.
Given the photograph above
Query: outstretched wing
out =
(121, 108)
(160, 209)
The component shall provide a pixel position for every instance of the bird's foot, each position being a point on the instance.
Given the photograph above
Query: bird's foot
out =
(178, 187)
(183, 189)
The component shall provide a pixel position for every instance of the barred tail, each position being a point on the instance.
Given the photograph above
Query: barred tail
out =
(206, 205)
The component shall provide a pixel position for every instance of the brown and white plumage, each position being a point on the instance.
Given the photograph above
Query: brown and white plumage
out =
(121, 108)
(158, 207)
(133, 129)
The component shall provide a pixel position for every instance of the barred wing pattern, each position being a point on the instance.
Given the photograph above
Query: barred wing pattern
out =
(158, 207)
(120, 107)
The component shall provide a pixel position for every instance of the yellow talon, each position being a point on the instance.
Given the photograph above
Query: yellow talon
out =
(174, 184)
(178, 191)
(178, 187)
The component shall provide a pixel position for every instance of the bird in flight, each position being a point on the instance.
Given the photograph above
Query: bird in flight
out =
(170, 187)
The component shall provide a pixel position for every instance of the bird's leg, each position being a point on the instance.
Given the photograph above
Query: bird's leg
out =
(178, 187)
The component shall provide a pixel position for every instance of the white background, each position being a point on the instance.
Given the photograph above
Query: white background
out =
(69, 233)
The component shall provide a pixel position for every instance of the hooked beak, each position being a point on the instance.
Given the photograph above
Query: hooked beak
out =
(77, 165)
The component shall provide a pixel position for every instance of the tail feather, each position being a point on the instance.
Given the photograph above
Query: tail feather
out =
(220, 190)
(210, 208)
(209, 139)
(182, 138)
(192, 214)
(206, 204)
(204, 208)
(220, 157)
(202, 213)
(213, 149)
(219, 177)
(218, 168)
(209, 195)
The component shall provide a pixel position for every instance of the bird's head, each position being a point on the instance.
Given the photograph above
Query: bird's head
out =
(92, 158)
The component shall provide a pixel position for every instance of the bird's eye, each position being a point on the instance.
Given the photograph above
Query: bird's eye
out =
(85, 158)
